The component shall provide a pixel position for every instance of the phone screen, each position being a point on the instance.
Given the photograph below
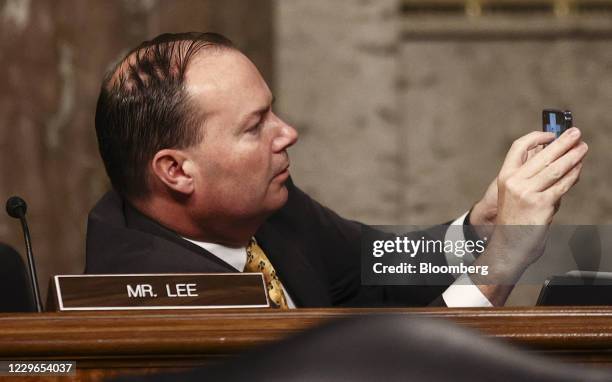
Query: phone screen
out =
(556, 121)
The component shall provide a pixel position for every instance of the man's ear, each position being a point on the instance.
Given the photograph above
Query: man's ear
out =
(168, 166)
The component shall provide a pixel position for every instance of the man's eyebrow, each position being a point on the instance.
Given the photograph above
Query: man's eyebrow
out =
(259, 111)
(265, 108)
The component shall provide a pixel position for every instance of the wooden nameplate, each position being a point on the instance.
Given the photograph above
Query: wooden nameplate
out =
(157, 291)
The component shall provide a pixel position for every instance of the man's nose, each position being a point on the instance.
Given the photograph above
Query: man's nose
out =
(286, 138)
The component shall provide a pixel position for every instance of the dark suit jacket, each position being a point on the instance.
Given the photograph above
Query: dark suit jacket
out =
(315, 252)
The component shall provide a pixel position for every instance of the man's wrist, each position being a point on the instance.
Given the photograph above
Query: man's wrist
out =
(505, 266)
(469, 229)
(478, 216)
(481, 226)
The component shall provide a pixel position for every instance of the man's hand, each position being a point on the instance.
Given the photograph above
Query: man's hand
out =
(529, 189)
(484, 212)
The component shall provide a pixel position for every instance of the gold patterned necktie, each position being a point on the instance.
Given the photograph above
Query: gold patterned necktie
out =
(257, 261)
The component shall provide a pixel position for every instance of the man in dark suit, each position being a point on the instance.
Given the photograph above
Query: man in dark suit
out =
(199, 165)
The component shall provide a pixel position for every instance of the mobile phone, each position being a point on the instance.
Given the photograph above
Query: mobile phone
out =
(556, 121)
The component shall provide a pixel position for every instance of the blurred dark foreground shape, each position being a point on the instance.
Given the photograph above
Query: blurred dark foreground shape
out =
(15, 294)
(387, 348)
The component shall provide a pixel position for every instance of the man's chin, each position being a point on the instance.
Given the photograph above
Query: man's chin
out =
(278, 200)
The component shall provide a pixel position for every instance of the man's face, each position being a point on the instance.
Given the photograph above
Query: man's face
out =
(241, 164)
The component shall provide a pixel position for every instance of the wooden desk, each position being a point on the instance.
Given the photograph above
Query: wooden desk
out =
(110, 343)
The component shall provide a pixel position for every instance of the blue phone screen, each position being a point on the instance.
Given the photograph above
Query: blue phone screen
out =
(553, 126)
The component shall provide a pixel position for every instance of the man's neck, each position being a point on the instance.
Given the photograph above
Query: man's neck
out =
(230, 232)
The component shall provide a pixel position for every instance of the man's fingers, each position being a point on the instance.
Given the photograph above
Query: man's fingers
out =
(517, 155)
(557, 190)
(553, 151)
(556, 170)
(533, 152)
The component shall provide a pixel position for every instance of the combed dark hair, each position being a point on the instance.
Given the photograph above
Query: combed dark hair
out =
(143, 107)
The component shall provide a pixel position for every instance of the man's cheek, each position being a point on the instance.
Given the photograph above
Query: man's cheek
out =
(222, 168)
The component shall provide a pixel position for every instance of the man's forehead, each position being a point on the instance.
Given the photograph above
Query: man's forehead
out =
(224, 78)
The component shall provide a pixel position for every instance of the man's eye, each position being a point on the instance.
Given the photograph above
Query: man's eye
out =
(255, 129)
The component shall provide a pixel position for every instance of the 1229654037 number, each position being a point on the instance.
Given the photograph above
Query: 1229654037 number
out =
(37, 368)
